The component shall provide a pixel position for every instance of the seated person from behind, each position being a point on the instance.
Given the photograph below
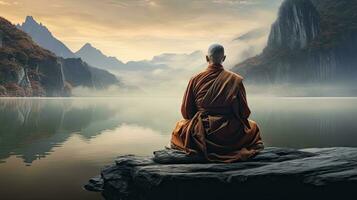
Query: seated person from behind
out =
(216, 113)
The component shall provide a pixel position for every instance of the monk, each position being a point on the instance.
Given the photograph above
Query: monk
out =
(216, 112)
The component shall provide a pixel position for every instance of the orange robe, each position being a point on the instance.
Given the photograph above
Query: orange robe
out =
(215, 123)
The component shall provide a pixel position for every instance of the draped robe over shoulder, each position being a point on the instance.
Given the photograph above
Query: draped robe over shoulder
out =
(216, 123)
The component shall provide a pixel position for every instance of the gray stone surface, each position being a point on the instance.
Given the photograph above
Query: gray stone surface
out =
(275, 173)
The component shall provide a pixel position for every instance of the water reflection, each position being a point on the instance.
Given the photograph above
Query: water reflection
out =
(32, 128)
(307, 122)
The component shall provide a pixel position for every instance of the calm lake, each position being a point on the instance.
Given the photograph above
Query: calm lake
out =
(49, 147)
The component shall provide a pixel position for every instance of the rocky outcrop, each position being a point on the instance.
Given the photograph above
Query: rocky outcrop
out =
(312, 41)
(275, 173)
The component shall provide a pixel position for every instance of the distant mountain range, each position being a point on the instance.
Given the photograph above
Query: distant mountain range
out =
(311, 42)
(43, 37)
(88, 53)
(96, 58)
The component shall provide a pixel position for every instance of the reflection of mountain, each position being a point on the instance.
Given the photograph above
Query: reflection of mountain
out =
(31, 128)
(312, 41)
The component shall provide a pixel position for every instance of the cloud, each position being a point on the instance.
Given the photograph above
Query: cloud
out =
(4, 3)
(253, 34)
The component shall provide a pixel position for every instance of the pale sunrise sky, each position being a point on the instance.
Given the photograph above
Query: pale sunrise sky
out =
(140, 29)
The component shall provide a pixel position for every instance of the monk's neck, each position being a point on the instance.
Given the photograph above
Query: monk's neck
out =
(215, 67)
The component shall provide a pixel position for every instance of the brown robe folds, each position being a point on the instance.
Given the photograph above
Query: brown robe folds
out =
(216, 123)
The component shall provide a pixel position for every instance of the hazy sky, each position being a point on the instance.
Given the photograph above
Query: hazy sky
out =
(140, 29)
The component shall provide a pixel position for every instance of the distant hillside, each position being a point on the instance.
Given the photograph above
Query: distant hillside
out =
(311, 42)
(96, 58)
(25, 68)
(43, 37)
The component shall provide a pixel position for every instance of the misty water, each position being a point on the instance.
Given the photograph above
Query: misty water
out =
(49, 147)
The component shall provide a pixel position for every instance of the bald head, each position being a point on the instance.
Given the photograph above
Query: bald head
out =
(215, 54)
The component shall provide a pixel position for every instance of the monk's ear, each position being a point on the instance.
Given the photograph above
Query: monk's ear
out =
(224, 58)
(207, 59)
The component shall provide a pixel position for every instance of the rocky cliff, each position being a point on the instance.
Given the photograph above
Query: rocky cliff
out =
(297, 25)
(25, 68)
(312, 41)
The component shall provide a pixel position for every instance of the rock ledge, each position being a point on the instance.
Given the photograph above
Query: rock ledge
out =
(275, 173)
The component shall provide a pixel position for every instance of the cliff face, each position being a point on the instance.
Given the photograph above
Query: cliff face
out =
(297, 25)
(312, 41)
(25, 68)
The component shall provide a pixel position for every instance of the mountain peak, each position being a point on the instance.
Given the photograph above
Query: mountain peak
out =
(31, 21)
(29, 18)
(88, 45)
(96, 58)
